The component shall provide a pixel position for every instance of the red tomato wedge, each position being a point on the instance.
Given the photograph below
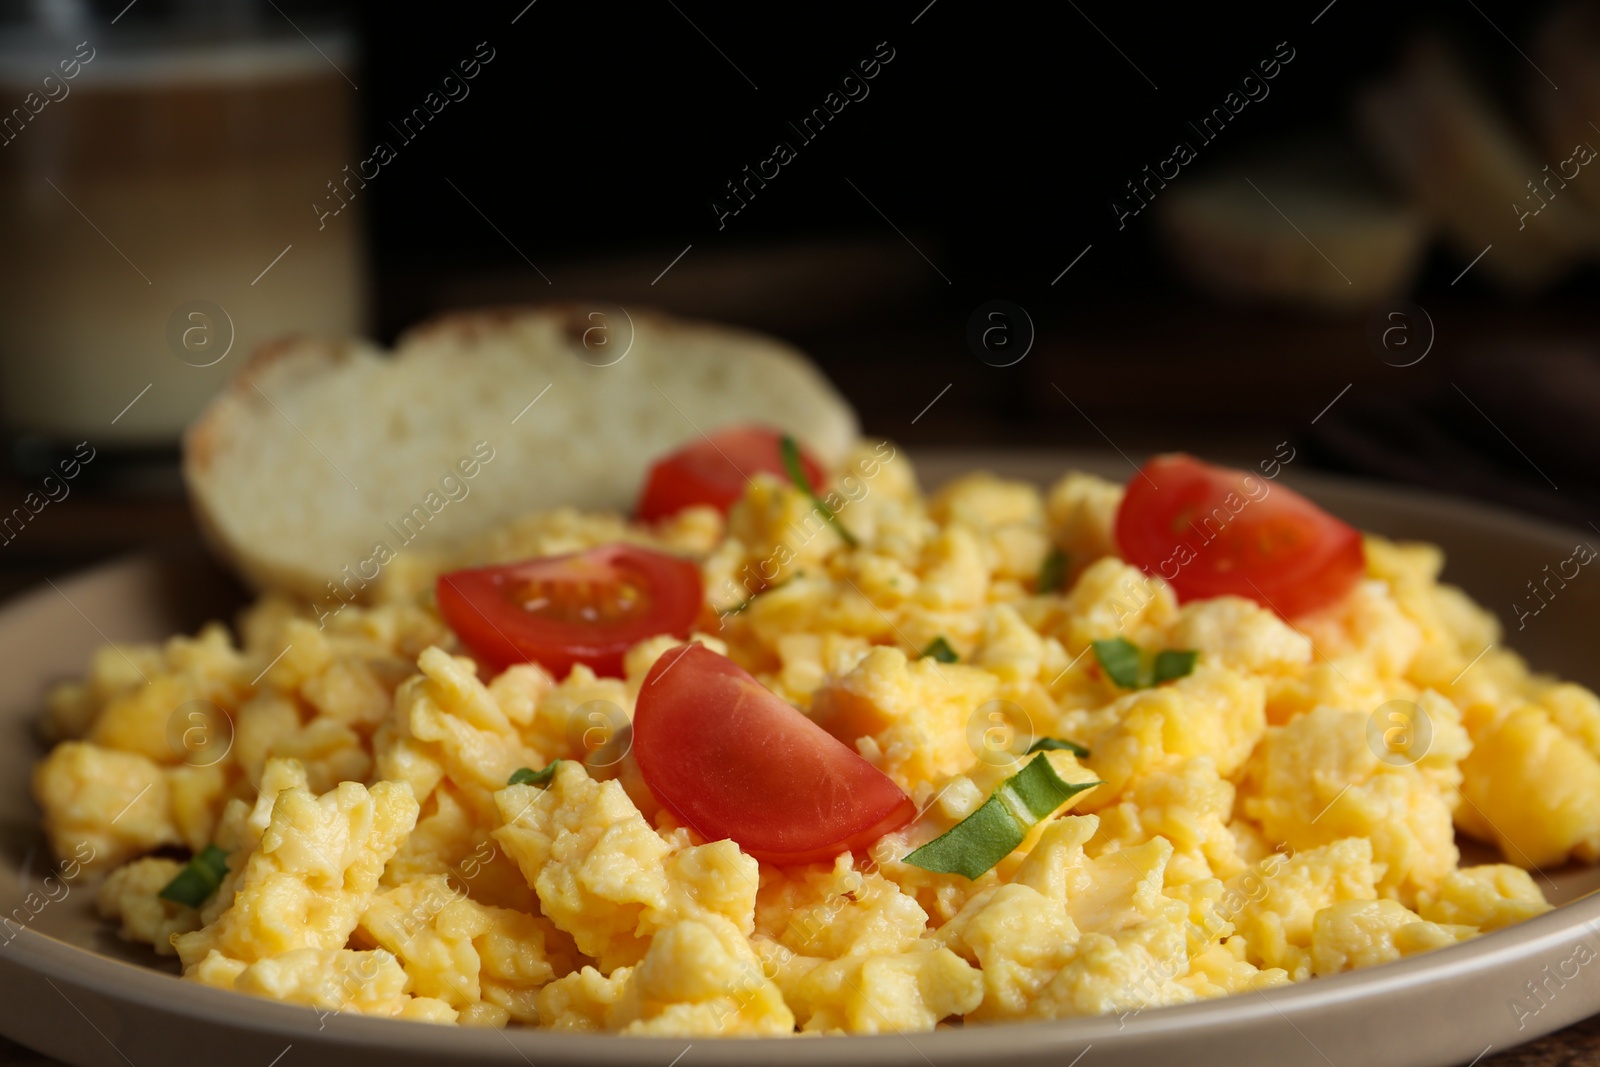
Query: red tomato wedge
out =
(732, 760)
(589, 607)
(715, 470)
(1213, 531)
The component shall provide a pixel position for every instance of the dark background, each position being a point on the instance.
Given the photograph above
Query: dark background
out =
(982, 163)
(996, 137)
(994, 142)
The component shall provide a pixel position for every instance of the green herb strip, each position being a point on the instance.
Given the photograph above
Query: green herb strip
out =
(529, 776)
(1127, 667)
(1174, 663)
(1055, 744)
(1001, 823)
(797, 475)
(940, 650)
(199, 878)
(1119, 658)
(1052, 572)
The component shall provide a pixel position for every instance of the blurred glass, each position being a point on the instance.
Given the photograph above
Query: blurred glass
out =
(157, 177)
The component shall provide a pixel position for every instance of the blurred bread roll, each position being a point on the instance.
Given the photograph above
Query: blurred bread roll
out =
(325, 457)
(1442, 140)
(1308, 225)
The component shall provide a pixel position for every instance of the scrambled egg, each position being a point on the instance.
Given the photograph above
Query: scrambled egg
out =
(1248, 830)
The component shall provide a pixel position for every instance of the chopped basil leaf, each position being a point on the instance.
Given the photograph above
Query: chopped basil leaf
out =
(973, 845)
(529, 776)
(1127, 667)
(1001, 823)
(199, 878)
(1049, 744)
(940, 650)
(1119, 658)
(1173, 663)
(797, 475)
(1053, 572)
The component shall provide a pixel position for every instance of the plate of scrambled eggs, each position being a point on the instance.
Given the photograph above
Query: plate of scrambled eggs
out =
(1005, 758)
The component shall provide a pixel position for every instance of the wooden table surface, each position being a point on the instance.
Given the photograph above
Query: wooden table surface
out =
(1578, 1045)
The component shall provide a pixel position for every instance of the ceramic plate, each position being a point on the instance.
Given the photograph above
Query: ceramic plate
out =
(71, 990)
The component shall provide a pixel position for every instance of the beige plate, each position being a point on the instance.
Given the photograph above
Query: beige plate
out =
(73, 992)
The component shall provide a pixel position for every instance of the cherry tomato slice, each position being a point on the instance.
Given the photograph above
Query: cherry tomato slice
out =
(715, 470)
(1213, 531)
(589, 607)
(732, 760)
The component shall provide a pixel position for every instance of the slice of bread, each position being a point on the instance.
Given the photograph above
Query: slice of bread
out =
(320, 451)
(1329, 237)
(1442, 140)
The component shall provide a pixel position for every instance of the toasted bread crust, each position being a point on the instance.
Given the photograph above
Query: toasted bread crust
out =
(275, 510)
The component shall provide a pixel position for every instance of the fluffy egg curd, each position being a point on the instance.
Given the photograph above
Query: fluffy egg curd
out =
(1028, 769)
